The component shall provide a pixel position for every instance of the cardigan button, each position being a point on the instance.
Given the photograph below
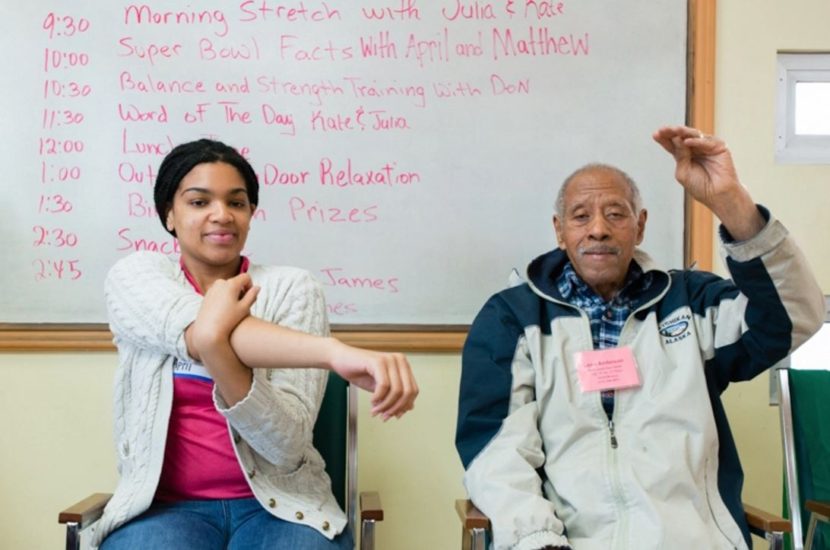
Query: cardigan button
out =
(299, 515)
(326, 526)
(251, 473)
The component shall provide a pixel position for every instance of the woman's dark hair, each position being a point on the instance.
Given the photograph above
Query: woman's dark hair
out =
(183, 158)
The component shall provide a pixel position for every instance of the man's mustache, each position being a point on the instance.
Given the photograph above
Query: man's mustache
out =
(599, 249)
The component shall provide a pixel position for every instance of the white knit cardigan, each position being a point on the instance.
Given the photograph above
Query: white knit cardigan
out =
(150, 304)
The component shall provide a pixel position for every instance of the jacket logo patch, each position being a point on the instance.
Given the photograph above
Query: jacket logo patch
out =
(675, 329)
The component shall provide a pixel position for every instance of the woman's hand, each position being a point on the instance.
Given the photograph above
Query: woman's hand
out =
(226, 303)
(387, 375)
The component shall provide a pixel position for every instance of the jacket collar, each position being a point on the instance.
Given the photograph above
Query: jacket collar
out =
(543, 272)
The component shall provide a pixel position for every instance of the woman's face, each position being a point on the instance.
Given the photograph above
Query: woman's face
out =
(211, 215)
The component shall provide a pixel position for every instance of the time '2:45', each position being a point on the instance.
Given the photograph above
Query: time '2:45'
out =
(60, 270)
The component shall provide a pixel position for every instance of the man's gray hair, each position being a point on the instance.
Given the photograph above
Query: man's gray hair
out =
(634, 191)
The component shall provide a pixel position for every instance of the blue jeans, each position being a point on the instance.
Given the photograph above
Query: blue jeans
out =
(240, 524)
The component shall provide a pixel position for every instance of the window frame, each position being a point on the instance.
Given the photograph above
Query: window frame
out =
(794, 68)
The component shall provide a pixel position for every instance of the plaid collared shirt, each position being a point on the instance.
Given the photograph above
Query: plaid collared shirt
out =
(607, 317)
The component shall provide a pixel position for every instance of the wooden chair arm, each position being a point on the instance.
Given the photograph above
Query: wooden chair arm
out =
(370, 507)
(470, 516)
(765, 521)
(821, 508)
(86, 511)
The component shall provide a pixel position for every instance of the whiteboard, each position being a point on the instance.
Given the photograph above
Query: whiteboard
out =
(409, 152)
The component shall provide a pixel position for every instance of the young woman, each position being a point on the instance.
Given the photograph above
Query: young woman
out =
(221, 374)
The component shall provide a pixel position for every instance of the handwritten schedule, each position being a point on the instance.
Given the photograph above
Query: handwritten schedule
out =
(408, 152)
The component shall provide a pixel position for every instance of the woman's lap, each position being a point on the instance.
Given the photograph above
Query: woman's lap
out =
(208, 525)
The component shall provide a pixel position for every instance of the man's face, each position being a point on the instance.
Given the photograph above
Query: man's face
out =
(599, 229)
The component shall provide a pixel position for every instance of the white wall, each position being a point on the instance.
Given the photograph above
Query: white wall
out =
(749, 35)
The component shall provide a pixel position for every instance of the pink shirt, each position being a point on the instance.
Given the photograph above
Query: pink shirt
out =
(199, 459)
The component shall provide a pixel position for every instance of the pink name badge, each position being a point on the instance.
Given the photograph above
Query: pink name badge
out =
(606, 369)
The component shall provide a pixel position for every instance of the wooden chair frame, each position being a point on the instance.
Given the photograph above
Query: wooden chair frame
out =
(475, 525)
(819, 511)
(84, 513)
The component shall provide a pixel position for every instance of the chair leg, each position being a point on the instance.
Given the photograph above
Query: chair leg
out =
(776, 540)
(811, 532)
(367, 534)
(73, 536)
(477, 539)
(472, 539)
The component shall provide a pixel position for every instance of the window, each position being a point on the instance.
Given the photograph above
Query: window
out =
(803, 110)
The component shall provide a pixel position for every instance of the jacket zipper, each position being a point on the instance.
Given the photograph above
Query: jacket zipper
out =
(613, 435)
(621, 532)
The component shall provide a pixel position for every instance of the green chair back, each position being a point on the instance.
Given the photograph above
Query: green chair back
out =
(331, 435)
(810, 403)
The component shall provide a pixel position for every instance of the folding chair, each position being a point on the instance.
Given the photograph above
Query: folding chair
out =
(335, 436)
(804, 401)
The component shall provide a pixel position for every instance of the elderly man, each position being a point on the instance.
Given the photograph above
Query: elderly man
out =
(590, 413)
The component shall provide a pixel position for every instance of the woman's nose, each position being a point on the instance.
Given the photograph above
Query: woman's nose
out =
(221, 213)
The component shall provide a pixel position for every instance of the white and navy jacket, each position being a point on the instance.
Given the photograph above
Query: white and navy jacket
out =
(538, 452)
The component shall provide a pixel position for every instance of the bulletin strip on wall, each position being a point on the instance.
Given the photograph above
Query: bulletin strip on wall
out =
(443, 338)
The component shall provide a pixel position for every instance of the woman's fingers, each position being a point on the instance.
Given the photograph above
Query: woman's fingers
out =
(398, 394)
(249, 297)
(388, 376)
(411, 389)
